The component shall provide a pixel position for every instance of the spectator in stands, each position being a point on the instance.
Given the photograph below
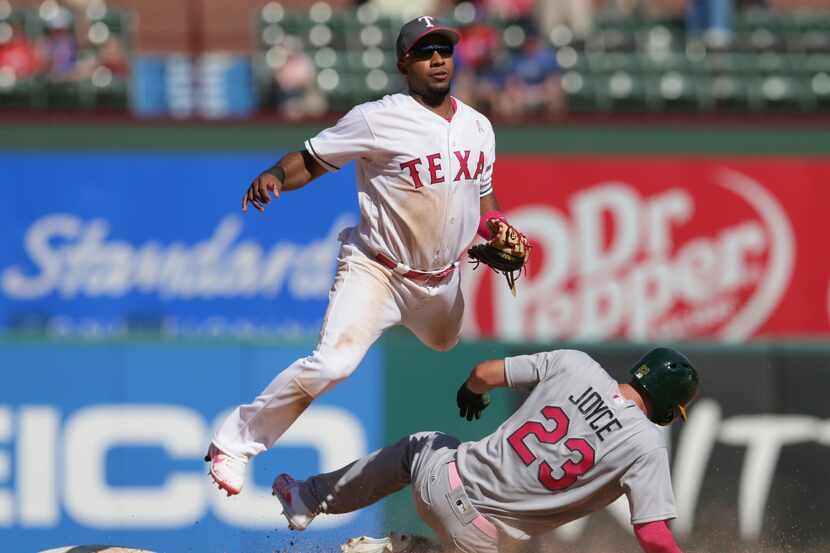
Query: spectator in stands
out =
(294, 82)
(59, 45)
(508, 10)
(94, 50)
(532, 84)
(111, 55)
(19, 54)
(478, 40)
(405, 9)
(474, 57)
(577, 15)
(711, 21)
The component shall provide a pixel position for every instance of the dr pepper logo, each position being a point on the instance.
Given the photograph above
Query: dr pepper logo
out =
(622, 259)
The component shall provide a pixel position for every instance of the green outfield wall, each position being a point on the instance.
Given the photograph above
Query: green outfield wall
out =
(645, 137)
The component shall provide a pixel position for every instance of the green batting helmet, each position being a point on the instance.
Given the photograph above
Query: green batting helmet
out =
(669, 380)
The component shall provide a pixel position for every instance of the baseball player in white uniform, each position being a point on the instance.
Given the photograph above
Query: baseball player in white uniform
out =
(578, 442)
(424, 182)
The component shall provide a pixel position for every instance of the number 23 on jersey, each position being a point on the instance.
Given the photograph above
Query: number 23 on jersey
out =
(571, 469)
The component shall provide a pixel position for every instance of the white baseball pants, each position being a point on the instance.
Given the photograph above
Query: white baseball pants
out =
(366, 299)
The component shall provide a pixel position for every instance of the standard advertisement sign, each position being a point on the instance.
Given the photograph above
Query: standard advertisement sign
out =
(105, 243)
(633, 248)
(104, 444)
(647, 248)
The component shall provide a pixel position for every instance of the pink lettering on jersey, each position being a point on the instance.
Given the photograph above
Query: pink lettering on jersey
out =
(571, 469)
(480, 166)
(434, 166)
(463, 169)
(412, 165)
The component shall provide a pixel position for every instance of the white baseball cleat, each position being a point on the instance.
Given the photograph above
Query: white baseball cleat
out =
(394, 543)
(287, 490)
(227, 472)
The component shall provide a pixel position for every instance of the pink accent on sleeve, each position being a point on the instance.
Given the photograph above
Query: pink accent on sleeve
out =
(656, 537)
(483, 229)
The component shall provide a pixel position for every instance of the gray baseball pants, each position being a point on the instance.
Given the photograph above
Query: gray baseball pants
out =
(422, 460)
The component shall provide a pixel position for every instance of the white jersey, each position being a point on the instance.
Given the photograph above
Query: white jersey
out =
(419, 176)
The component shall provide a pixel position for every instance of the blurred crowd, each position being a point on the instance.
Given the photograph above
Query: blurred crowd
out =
(517, 60)
(509, 61)
(61, 42)
(515, 73)
(511, 72)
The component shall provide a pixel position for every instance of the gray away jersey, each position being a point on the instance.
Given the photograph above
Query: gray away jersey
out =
(573, 447)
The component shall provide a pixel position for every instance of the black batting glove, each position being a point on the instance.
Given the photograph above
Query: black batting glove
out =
(471, 404)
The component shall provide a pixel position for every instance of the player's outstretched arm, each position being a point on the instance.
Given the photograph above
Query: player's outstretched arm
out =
(293, 171)
(473, 396)
(487, 376)
(656, 537)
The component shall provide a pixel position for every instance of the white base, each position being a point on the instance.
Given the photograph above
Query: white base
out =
(95, 549)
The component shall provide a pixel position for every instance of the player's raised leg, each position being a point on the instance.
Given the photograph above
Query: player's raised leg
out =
(361, 306)
(437, 319)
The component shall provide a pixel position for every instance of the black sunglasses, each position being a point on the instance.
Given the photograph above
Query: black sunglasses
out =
(425, 51)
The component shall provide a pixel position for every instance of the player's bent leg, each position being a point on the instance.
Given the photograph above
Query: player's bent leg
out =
(443, 505)
(361, 306)
(438, 321)
(369, 479)
(358, 484)
(253, 428)
(328, 366)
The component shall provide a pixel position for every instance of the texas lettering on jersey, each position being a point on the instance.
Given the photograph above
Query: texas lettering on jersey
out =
(436, 172)
(420, 176)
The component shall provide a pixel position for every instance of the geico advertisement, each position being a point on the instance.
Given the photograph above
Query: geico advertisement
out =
(660, 248)
(104, 444)
(159, 242)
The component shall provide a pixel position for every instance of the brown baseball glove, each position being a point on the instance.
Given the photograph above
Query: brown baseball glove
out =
(506, 252)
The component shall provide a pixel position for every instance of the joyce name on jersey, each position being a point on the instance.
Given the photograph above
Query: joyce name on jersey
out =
(419, 176)
(574, 446)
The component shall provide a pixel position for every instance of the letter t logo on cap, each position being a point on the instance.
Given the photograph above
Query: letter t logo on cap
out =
(427, 20)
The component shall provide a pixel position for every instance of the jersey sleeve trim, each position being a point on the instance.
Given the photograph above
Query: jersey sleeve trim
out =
(329, 166)
(507, 362)
(485, 189)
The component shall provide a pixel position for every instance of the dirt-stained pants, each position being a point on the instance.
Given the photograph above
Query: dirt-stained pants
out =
(421, 460)
(366, 299)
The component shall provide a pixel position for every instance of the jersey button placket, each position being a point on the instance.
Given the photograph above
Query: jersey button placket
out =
(448, 192)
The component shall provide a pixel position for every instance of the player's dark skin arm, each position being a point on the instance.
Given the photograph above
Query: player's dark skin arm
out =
(488, 203)
(298, 169)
